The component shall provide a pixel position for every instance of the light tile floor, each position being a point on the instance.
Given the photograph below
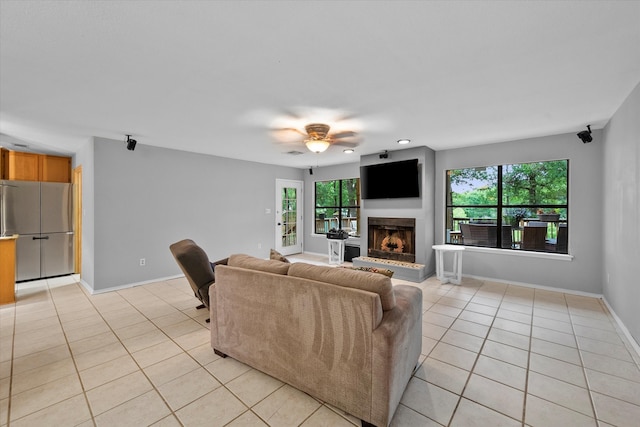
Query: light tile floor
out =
(493, 354)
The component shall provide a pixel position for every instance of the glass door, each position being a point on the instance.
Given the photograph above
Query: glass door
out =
(288, 216)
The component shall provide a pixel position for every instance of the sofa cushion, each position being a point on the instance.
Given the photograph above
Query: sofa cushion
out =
(371, 282)
(273, 254)
(252, 263)
(386, 272)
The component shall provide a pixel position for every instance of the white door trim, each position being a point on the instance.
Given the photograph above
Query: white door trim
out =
(299, 230)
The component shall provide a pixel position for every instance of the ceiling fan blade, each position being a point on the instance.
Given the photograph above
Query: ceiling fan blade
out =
(291, 113)
(343, 134)
(343, 116)
(298, 131)
(347, 144)
(287, 135)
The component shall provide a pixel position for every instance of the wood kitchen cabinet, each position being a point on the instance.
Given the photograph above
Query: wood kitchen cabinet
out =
(21, 166)
(55, 168)
(8, 269)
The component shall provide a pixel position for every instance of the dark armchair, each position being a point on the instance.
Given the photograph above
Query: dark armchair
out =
(485, 235)
(197, 268)
(533, 237)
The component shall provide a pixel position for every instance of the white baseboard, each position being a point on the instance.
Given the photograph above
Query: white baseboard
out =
(632, 342)
(126, 286)
(530, 285)
(316, 253)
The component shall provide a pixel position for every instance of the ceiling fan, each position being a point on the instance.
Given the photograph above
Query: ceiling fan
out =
(317, 137)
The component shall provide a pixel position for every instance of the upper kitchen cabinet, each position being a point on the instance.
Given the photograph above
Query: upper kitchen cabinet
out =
(21, 166)
(55, 168)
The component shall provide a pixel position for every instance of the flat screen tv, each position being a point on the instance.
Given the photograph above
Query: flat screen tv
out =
(390, 180)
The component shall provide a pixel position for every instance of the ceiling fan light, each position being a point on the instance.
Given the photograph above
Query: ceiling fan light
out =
(317, 145)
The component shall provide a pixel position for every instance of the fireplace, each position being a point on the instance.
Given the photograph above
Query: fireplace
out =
(392, 238)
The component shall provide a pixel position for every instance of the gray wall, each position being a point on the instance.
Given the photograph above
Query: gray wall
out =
(151, 197)
(422, 208)
(314, 242)
(621, 216)
(584, 271)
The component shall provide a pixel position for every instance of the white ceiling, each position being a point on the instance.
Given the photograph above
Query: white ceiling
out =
(211, 76)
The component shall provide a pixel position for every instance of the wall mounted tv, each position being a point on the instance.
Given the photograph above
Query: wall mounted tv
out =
(390, 180)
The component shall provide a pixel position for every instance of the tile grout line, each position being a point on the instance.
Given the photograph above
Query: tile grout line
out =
(480, 350)
(479, 353)
(526, 377)
(73, 356)
(75, 365)
(57, 315)
(581, 366)
(574, 308)
(528, 368)
(427, 355)
(584, 370)
(140, 368)
(13, 344)
(455, 409)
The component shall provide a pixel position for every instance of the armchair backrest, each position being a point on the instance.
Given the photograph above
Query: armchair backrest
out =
(194, 263)
(562, 241)
(534, 238)
(537, 224)
(485, 235)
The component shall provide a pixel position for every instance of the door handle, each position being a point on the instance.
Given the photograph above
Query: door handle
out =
(41, 238)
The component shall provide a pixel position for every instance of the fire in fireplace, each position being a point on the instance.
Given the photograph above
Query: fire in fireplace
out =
(392, 238)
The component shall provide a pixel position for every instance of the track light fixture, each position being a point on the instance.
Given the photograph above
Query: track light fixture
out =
(585, 135)
(384, 154)
(131, 143)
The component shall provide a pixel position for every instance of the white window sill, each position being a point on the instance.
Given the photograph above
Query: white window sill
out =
(520, 253)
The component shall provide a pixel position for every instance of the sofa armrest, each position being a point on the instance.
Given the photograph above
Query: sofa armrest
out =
(397, 343)
(213, 324)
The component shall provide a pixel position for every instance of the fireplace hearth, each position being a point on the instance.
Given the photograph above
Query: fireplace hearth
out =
(392, 238)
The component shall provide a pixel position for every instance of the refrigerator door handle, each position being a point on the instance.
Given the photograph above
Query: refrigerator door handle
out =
(40, 238)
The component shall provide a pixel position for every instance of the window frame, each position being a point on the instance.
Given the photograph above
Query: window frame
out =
(500, 207)
(338, 207)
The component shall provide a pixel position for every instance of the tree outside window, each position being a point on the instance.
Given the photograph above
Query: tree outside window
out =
(513, 198)
(337, 206)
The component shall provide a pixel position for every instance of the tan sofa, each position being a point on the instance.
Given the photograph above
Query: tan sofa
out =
(348, 338)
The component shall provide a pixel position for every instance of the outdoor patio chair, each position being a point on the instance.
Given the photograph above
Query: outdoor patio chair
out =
(533, 238)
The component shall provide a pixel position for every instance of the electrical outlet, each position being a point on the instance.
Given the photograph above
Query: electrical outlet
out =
(143, 262)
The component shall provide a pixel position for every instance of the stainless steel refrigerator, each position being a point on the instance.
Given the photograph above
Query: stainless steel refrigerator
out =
(40, 213)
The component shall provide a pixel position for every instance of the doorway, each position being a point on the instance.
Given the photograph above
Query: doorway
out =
(288, 216)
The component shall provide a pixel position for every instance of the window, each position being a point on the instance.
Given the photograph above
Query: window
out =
(528, 202)
(337, 205)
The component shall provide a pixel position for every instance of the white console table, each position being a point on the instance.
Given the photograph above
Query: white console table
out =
(455, 276)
